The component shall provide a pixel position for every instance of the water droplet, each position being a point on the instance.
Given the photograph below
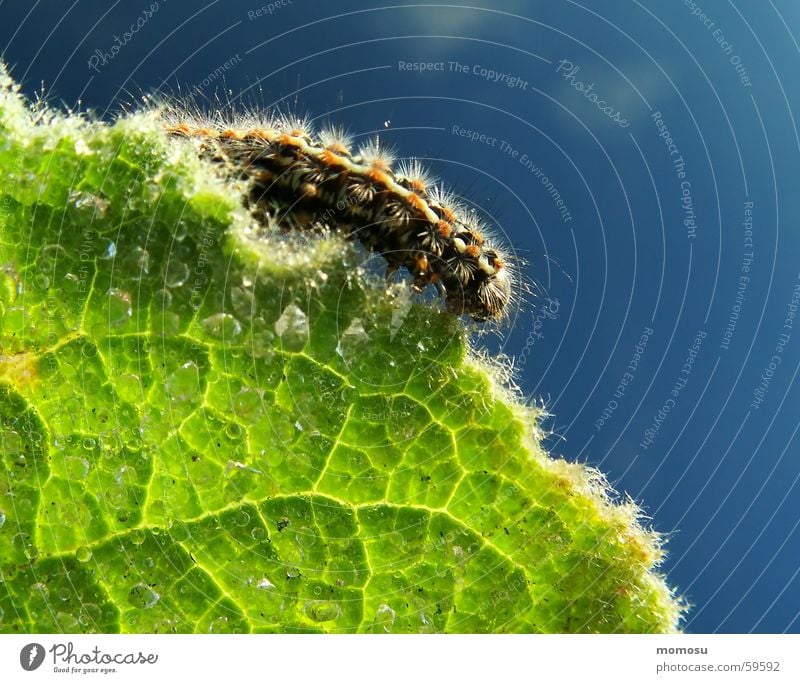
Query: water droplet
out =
(242, 518)
(176, 274)
(2, 518)
(162, 299)
(220, 625)
(179, 532)
(134, 263)
(142, 596)
(50, 257)
(110, 251)
(184, 383)
(265, 584)
(322, 610)
(83, 554)
(85, 201)
(222, 326)
(119, 307)
(246, 403)
(305, 537)
(137, 536)
(384, 618)
(292, 328)
(353, 340)
(41, 590)
(242, 301)
(90, 615)
(10, 285)
(67, 623)
(88, 350)
(89, 443)
(257, 533)
(76, 468)
(181, 230)
(233, 431)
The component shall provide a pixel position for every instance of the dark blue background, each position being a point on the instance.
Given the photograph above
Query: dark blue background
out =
(720, 476)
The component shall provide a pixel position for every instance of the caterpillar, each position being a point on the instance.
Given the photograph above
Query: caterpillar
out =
(305, 180)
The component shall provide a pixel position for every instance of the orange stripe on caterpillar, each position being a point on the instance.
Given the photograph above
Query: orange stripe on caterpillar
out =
(299, 178)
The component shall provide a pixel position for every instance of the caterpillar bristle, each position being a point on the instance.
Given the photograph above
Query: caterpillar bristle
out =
(305, 180)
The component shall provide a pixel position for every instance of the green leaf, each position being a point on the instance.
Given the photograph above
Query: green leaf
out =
(208, 428)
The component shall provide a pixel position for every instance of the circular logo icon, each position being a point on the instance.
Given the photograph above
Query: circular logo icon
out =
(31, 656)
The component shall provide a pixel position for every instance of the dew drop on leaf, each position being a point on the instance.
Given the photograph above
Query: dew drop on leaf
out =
(242, 301)
(353, 340)
(89, 203)
(9, 286)
(247, 403)
(176, 274)
(220, 625)
(322, 610)
(384, 618)
(50, 256)
(119, 309)
(89, 615)
(76, 468)
(184, 384)
(292, 328)
(242, 518)
(162, 299)
(142, 596)
(109, 250)
(305, 537)
(222, 326)
(83, 554)
(134, 263)
(67, 623)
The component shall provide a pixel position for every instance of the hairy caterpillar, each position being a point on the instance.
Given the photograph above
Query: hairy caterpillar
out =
(305, 180)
